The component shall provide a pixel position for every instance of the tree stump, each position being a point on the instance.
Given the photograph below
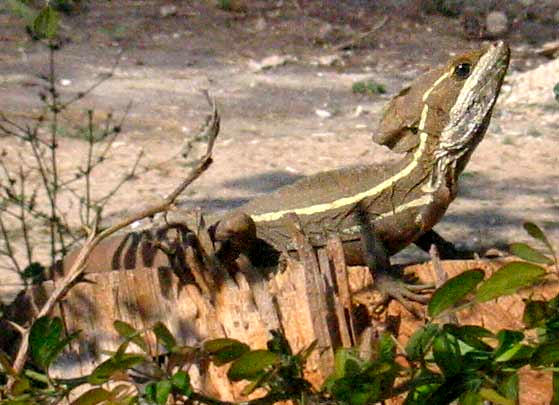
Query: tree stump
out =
(314, 297)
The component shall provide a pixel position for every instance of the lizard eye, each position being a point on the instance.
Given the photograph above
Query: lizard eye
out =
(462, 70)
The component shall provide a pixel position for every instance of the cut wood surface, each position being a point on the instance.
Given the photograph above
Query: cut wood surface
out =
(313, 298)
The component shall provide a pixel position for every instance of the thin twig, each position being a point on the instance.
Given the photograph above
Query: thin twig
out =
(23, 219)
(8, 245)
(93, 240)
(102, 80)
(360, 37)
(439, 275)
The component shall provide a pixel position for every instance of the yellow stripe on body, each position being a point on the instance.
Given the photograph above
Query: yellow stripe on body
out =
(379, 188)
(418, 202)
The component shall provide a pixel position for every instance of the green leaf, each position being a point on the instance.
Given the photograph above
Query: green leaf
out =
(528, 253)
(346, 363)
(446, 352)
(279, 344)
(422, 386)
(419, 342)
(162, 391)
(368, 87)
(164, 336)
(104, 371)
(45, 340)
(225, 350)
(509, 279)
(92, 397)
(453, 290)
(495, 398)
(535, 232)
(508, 339)
(34, 273)
(367, 394)
(546, 354)
(556, 92)
(518, 353)
(535, 313)
(150, 390)
(470, 398)
(128, 332)
(453, 388)
(387, 348)
(472, 335)
(20, 386)
(45, 24)
(509, 387)
(181, 381)
(251, 364)
(555, 398)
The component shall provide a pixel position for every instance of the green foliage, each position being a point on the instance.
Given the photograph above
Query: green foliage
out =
(224, 351)
(368, 87)
(556, 92)
(357, 381)
(252, 365)
(19, 9)
(509, 279)
(528, 253)
(451, 292)
(45, 25)
(34, 273)
(225, 5)
(46, 341)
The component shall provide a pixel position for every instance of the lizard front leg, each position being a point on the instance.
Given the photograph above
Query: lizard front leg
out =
(390, 284)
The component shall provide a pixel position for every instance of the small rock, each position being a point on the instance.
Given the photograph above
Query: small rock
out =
(168, 10)
(323, 113)
(324, 32)
(271, 62)
(330, 60)
(260, 24)
(65, 82)
(496, 23)
(358, 112)
(549, 49)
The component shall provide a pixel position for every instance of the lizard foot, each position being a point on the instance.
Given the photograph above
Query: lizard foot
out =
(394, 288)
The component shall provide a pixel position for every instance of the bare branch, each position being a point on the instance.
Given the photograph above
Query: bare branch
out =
(93, 240)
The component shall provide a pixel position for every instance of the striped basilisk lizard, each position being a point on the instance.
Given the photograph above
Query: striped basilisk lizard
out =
(437, 122)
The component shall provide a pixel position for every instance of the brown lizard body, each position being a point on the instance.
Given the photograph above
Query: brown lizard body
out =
(437, 122)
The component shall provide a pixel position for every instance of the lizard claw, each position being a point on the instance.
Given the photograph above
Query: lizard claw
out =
(404, 293)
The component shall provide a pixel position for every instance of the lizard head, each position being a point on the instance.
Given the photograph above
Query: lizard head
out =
(472, 83)
(463, 90)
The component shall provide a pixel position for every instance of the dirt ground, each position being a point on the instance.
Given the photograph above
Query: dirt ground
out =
(289, 120)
